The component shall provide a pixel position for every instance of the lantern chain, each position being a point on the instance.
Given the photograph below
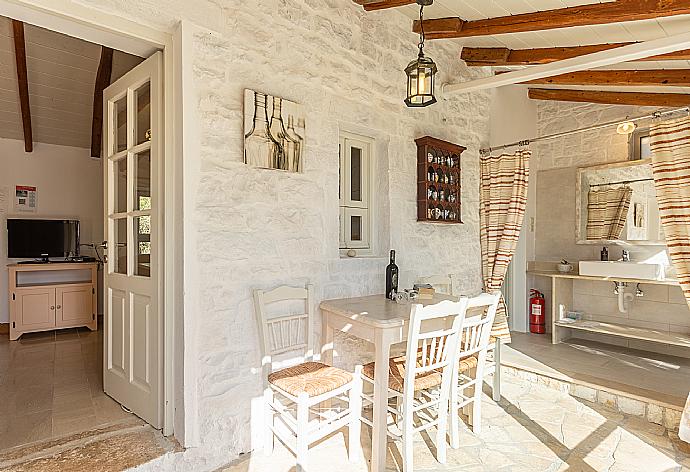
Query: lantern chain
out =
(421, 30)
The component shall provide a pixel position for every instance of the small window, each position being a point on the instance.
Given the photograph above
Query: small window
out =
(355, 194)
(638, 146)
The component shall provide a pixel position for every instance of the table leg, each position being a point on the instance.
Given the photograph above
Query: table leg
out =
(379, 436)
(327, 336)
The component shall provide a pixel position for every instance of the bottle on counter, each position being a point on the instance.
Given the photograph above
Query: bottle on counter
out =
(604, 254)
(391, 278)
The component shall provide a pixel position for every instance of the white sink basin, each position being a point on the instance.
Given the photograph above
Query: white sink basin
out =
(626, 270)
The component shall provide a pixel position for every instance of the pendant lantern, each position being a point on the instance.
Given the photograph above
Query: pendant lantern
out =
(422, 71)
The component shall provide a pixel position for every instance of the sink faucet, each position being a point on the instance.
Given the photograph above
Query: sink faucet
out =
(626, 256)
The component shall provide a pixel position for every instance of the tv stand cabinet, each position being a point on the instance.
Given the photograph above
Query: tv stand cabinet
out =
(51, 296)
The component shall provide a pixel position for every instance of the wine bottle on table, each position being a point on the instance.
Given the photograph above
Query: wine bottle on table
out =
(392, 278)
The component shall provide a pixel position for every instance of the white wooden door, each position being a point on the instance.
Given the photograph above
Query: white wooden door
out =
(133, 325)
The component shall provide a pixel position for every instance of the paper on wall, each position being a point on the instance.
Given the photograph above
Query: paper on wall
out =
(25, 198)
(4, 201)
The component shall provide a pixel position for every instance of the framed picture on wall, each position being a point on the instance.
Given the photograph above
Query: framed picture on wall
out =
(274, 132)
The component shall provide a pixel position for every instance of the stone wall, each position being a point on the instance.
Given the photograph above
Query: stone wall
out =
(259, 228)
(663, 307)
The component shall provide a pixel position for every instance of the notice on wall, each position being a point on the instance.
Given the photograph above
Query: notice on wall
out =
(25, 198)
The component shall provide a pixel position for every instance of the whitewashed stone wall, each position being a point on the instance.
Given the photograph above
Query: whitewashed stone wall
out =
(260, 228)
(557, 161)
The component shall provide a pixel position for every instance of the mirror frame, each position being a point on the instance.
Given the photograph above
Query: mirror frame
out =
(578, 210)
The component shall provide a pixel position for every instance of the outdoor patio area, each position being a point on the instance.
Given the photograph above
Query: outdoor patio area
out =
(533, 428)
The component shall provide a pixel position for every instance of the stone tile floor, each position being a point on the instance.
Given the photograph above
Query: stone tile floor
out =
(51, 384)
(533, 428)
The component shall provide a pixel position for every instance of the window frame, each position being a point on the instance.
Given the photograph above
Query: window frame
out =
(349, 208)
(634, 147)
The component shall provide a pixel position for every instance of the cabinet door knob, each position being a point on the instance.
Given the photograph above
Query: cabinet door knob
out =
(58, 307)
(52, 307)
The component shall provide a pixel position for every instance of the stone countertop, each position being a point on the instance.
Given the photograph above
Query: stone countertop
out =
(575, 275)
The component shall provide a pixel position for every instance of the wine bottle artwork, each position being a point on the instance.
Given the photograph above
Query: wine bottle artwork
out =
(274, 132)
(391, 278)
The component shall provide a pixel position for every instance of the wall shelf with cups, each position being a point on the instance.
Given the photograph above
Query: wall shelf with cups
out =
(438, 181)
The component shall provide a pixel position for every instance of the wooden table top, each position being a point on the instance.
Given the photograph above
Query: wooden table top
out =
(376, 310)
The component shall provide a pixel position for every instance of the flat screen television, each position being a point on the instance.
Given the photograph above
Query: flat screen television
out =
(34, 238)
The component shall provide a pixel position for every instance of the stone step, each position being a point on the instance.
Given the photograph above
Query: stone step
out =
(113, 447)
(654, 411)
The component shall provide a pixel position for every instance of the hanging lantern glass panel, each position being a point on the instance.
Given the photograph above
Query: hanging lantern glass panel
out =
(420, 82)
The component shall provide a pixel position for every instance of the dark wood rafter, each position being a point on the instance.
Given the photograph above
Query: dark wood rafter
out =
(581, 15)
(105, 68)
(526, 57)
(612, 98)
(673, 77)
(370, 5)
(23, 83)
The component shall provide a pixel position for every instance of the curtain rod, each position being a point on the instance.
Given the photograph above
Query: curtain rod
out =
(622, 182)
(525, 142)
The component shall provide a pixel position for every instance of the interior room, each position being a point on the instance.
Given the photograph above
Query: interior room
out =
(51, 207)
(345, 235)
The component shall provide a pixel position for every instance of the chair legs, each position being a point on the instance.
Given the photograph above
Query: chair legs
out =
(441, 445)
(408, 441)
(355, 425)
(269, 421)
(496, 384)
(454, 414)
(302, 446)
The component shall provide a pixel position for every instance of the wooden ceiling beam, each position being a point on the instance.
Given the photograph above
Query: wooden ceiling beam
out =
(581, 15)
(525, 57)
(23, 83)
(105, 69)
(612, 98)
(370, 5)
(672, 77)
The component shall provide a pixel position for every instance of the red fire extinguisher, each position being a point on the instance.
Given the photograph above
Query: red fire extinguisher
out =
(537, 312)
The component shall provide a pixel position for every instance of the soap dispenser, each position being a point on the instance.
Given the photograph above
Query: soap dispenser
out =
(604, 254)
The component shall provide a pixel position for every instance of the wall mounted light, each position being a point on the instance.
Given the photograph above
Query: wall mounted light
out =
(626, 127)
(422, 71)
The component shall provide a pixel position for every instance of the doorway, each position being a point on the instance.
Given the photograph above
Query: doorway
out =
(63, 370)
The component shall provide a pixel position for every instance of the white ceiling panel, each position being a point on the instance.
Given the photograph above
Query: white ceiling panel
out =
(61, 73)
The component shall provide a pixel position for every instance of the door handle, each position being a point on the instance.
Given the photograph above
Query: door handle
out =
(52, 307)
(58, 307)
(103, 245)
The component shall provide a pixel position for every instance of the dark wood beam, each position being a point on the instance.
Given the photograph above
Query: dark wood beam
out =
(675, 77)
(105, 69)
(581, 15)
(370, 5)
(526, 57)
(23, 83)
(612, 98)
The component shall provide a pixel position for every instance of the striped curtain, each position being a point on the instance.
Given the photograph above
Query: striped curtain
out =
(670, 145)
(502, 202)
(607, 211)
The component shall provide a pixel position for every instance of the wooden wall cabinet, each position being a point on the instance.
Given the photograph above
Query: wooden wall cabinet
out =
(439, 181)
(52, 296)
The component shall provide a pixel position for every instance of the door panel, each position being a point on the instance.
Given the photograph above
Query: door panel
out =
(73, 305)
(37, 308)
(133, 360)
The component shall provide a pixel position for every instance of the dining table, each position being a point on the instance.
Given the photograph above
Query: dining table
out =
(383, 323)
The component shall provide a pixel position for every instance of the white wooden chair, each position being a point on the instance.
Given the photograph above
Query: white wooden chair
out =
(445, 284)
(310, 400)
(420, 381)
(468, 376)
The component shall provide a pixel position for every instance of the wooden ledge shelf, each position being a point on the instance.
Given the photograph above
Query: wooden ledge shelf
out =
(641, 334)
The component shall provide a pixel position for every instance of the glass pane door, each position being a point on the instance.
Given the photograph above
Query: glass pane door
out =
(130, 202)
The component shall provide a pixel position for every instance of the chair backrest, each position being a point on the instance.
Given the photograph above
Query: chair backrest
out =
(432, 342)
(286, 333)
(441, 283)
(476, 330)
